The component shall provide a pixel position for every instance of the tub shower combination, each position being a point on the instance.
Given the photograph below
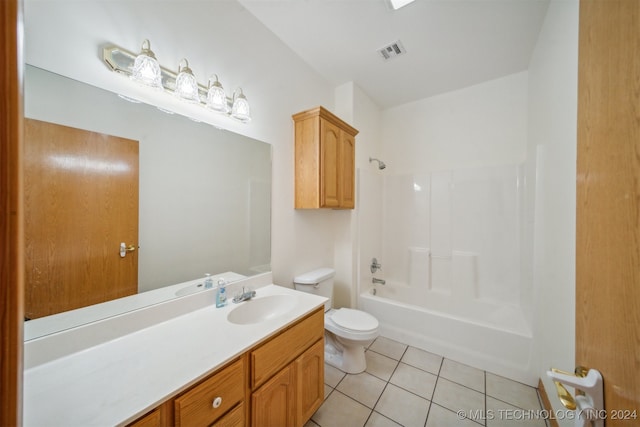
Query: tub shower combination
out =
(442, 265)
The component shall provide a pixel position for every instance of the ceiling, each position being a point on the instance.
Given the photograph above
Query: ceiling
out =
(450, 44)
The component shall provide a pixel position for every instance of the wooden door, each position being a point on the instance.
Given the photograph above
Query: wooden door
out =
(329, 164)
(608, 208)
(81, 202)
(273, 404)
(309, 382)
(348, 173)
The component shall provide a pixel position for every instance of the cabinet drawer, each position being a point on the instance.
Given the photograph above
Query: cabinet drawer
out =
(235, 418)
(152, 419)
(275, 354)
(196, 407)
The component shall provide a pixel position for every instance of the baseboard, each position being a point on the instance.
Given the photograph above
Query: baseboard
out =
(547, 404)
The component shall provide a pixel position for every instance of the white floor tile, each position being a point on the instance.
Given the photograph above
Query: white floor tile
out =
(442, 417)
(414, 380)
(340, 410)
(388, 347)
(377, 420)
(403, 407)
(327, 391)
(458, 398)
(332, 376)
(379, 365)
(512, 392)
(505, 415)
(364, 387)
(423, 360)
(310, 423)
(463, 374)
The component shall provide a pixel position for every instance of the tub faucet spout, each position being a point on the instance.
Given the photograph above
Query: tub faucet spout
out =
(381, 281)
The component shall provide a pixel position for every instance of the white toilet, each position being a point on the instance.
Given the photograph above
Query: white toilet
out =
(347, 331)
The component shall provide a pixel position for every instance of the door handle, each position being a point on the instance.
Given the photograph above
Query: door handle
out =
(124, 249)
(566, 398)
(590, 405)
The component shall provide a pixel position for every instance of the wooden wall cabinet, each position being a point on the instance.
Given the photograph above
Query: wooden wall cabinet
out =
(324, 161)
(277, 383)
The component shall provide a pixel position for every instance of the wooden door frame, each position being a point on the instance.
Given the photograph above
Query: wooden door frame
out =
(11, 255)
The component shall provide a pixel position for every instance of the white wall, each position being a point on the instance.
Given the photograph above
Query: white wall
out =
(482, 125)
(551, 155)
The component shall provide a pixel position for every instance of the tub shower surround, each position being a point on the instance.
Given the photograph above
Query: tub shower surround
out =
(451, 245)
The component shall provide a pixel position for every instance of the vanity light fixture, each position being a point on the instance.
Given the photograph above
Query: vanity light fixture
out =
(397, 4)
(216, 97)
(144, 68)
(186, 83)
(240, 109)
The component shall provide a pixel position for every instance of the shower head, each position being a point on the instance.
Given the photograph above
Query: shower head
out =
(381, 164)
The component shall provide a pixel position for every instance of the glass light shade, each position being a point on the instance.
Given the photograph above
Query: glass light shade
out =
(146, 69)
(216, 97)
(186, 83)
(240, 109)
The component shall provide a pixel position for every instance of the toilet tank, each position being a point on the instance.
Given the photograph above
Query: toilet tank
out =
(319, 282)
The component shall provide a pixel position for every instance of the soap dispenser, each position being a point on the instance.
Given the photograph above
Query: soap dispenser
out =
(208, 281)
(221, 294)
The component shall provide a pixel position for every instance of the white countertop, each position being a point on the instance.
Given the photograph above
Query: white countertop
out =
(115, 381)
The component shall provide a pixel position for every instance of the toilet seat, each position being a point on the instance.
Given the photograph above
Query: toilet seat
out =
(351, 324)
(354, 320)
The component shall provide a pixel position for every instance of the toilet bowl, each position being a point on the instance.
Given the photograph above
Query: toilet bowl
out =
(347, 331)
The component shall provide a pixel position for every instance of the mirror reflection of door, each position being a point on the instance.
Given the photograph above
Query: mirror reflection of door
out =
(81, 203)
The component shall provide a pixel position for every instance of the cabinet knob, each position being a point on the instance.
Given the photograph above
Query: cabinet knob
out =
(217, 402)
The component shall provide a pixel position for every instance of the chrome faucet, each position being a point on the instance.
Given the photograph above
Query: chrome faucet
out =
(375, 265)
(381, 281)
(244, 295)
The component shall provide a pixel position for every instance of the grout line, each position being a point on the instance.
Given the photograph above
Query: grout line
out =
(485, 396)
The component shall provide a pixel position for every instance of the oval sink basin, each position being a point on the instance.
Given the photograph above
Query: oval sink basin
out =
(191, 289)
(261, 309)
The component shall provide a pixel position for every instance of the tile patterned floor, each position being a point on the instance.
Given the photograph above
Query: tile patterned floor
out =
(406, 386)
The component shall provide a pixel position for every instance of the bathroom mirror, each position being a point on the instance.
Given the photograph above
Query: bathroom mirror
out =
(204, 193)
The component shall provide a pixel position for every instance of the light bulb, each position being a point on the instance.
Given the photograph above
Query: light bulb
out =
(146, 69)
(186, 83)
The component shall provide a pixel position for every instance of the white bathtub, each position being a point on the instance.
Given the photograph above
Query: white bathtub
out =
(480, 333)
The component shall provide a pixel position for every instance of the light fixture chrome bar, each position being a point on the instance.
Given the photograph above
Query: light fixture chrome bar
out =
(121, 61)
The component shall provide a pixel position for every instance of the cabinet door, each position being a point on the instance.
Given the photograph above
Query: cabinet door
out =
(235, 418)
(347, 169)
(309, 382)
(330, 153)
(273, 404)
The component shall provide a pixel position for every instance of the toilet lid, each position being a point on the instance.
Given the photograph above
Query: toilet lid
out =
(355, 320)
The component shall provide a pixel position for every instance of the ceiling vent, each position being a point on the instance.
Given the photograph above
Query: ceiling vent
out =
(391, 51)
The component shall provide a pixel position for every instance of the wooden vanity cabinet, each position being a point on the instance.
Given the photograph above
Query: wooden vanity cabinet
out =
(324, 161)
(278, 383)
(287, 375)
